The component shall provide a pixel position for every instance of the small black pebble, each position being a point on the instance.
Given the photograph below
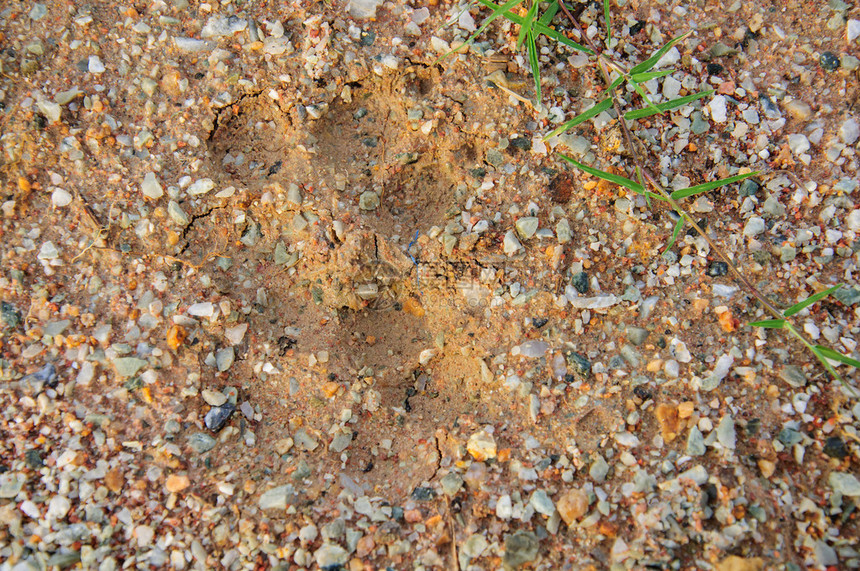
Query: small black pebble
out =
(717, 269)
(714, 68)
(423, 494)
(580, 282)
(218, 416)
(521, 143)
(829, 61)
(33, 459)
(539, 322)
(636, 28)
(366, 39)
(835, 447)
(275, 168)
(642, 392)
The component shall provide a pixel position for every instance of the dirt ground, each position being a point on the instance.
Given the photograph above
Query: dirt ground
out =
(283, 289)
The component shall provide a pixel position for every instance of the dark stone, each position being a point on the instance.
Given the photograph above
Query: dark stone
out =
(275, 168)
(478, 173)
(752, 427)
(835, 447)
(642, 392)
(218, 416)
(714, 68)
(582, 366)
(369, 142)
(33, 459)
(423, 494)
(9, 315)
(366, 38)
(539, 322)
(829, 61)
(636, 28)
(580, 282)
(717, 269)
(521, 143)
(359, 113)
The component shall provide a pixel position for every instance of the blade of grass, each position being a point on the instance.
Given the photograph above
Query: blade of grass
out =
(677, 230)
(700, 188)
(608, 22)
(550, 13)
(541, 29)
(533, 60)
(810, 300)
(769, 323)
(830, 368)
(652, 61)
(584, 116)
(649, 75)
(837, 356)
(617, 179)
(643, 95)
(666, 106)
(526, 26)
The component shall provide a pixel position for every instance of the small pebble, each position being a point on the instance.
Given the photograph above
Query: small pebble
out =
(150, 187)
(829, 61)
(218, 416)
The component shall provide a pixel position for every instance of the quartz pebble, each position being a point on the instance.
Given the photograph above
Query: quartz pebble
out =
(572, 505)
(150, 187)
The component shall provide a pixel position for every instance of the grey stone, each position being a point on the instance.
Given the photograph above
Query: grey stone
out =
(695, 442)
(277, 498)
(637, 335)
(726, 432)
(201, 442)
(521, 547)
(128, 366)
(844, 483)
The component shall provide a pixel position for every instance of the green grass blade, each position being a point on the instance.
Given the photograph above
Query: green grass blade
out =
(617, 179)
(526, 26)
(649, 75)
(769, 323)
(616, 82)
(540, 28)
(656, 110)
(677, 230)
(652, 61)
(827, 365)
(836, 356)
(533, 60)
(584, 116)
(549, 14)
(666, 106)
(700, 188)
(608, 21)
(810, 300)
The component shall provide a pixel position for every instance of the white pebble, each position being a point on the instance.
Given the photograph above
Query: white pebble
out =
(95, 65)
(205, 309)
(849, 131)
(798, 144)
(719, 113)
(61, 197)
(201, 186)
(852, 30)
(151, 187)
